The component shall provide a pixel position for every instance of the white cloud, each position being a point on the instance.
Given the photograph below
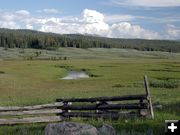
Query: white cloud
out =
(90, 22)
(147, 3)
(92, 16)
(127, 30)
(94, 22)
(22, 13)
(7, 17)
(29, 26)
(173, 31)
(12, 20)
(9, 24)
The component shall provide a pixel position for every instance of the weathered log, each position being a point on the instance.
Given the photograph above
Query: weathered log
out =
(105, 107)
(15, 121)
(100, 115)
(116, 98)
(148, 96)
(32, 112)
(35, 107)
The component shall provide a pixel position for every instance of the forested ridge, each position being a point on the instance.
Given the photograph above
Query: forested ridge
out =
(40, 40)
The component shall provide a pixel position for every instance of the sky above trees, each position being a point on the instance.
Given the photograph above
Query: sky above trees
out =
(148, 19)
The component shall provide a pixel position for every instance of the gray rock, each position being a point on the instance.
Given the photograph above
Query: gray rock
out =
(106, 130)
(70, 128)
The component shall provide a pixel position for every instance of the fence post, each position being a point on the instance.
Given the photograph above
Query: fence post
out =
(148, 96)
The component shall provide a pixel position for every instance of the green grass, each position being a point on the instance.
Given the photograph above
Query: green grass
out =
(113, 72)
(165, 83)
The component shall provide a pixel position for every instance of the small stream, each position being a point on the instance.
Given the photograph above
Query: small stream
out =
(76, 75)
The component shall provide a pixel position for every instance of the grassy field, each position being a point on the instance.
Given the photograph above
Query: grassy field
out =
(113, 71)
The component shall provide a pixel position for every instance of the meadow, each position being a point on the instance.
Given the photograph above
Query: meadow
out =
(29, 79)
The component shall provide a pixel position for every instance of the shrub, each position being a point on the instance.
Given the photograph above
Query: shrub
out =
(2, 72)
(118, 85)
(93, 75)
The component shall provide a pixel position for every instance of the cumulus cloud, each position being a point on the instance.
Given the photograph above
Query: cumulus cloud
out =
(93, 22)
(126, 29)
(7, 17)
(9, 24)
(92, 16)
(173, 31)
(22, 13)
(147, 3)
(90, 22)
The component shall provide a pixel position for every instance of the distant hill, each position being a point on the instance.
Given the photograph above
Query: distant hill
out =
(50, 41)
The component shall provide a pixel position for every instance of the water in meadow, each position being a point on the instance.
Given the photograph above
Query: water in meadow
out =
(76, 75)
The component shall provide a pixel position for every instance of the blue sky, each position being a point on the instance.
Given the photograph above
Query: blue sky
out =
(159, 19)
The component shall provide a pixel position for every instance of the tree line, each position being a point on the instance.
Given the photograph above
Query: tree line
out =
(50, 41)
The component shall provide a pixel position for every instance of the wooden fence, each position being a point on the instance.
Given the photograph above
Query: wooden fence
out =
(98, 107)
(109, 107)
(30, 114)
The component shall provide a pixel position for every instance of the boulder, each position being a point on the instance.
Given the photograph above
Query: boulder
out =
(70, 128)
(106, 130)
